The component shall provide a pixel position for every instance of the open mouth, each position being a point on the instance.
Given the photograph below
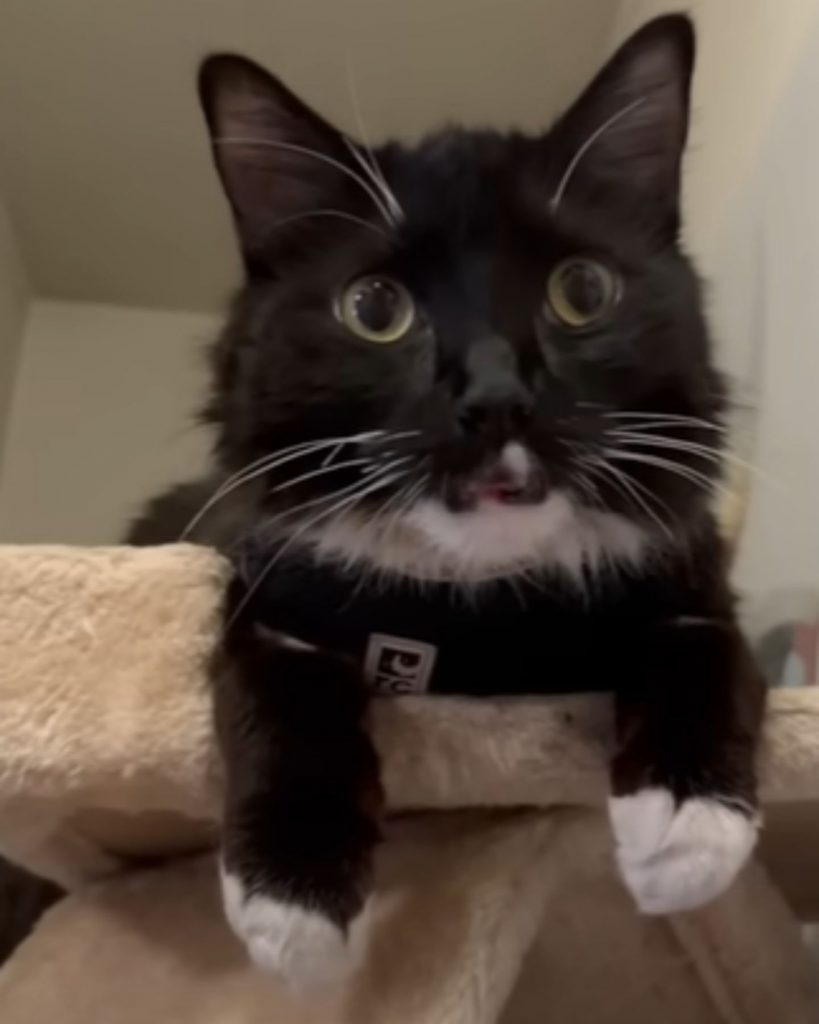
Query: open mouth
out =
(513, 477)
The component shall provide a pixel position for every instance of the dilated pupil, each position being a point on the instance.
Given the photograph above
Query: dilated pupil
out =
(584, 289)
(377, 305)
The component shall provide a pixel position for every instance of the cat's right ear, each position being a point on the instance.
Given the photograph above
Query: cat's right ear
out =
(274, 155)
(627, 131)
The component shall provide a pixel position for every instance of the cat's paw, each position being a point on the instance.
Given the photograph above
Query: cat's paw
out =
(676, 857)
(303, 947)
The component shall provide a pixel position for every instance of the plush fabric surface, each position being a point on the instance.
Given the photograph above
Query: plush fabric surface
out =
(497, 898)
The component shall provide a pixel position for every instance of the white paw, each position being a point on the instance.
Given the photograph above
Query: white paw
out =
(676, 857)
(301, 946)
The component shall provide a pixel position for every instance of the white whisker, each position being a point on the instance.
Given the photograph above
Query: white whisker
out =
(589, 488)
(284, 221)
(390, 502)
(563, 184)
(321, 471)
(694, 476)
(632, 488)
(717, 456)
(632, 437)
(303, 448)
(378, 181)
(376, 466)
(371, 164)
(406, 499)
(266, 463)
(339, 506)
(246, 476)
(654, 420)
(387, 437)
(333, 454)
(238, 140)
(395, 500)
(321, 500)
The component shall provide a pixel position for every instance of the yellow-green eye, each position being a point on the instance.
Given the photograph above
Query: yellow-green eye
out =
(581, 291)
(377, 308)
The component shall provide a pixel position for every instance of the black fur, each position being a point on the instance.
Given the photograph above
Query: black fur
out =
(476, 248)
(486, 219)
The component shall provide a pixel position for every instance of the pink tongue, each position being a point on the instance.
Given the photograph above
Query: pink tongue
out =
(499, 491)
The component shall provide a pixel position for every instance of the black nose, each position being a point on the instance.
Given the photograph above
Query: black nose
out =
(499, 414)
(495, 400)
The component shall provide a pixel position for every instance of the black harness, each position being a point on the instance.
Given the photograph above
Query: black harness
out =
(521, 636)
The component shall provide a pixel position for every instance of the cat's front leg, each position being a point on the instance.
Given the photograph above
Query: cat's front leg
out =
(684, 805)
(302, 799)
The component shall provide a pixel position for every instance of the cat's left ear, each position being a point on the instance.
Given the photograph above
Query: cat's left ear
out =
(628, 129)
(278, 160)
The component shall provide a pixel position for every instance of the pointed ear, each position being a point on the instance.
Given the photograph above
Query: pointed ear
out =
(274, 155)
(629, 127)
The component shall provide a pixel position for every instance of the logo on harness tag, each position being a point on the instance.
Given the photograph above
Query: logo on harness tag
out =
(395, 665)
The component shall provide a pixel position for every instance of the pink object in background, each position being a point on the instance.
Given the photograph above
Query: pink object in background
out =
(784, 631)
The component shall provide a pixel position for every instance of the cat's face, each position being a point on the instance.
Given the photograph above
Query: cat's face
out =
(502, 326)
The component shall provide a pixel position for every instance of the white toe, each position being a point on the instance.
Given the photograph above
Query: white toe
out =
(678, 857)
(301, 946)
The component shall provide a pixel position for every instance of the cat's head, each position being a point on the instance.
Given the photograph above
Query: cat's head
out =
(494, 339)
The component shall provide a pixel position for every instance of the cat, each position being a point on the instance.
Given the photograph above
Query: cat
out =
(468, 436)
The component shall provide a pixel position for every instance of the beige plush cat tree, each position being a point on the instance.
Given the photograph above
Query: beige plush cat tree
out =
(497, 901)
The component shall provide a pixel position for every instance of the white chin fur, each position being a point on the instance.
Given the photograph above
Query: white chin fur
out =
(490, 540)
(302, 947)
(678, 857)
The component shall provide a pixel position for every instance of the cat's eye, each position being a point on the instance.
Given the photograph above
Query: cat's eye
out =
(580, 292)
(377, 308)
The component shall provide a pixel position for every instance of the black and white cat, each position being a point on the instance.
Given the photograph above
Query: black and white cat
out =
(464, 400)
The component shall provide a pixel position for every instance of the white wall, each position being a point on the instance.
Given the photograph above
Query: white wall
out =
(781, 546)
(99, 99)
(14, 298)
(100, 418)
(753, 226)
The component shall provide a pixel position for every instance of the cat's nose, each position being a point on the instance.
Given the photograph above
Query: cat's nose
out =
(500, 415)
(495, 401)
